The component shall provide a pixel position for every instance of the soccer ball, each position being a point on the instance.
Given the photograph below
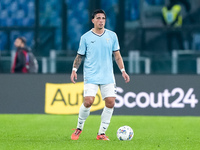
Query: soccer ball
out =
(125, 133)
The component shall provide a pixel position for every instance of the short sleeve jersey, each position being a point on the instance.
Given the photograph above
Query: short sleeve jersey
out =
(98, 49)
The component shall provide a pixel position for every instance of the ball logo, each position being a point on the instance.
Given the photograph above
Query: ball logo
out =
(122, 131)
(67, 98)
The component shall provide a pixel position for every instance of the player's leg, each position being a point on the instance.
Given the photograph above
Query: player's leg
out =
(90, 91)
(106, 114)
(108, 94)
(84, 111)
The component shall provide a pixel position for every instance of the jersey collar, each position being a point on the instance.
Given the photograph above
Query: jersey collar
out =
(98, 34)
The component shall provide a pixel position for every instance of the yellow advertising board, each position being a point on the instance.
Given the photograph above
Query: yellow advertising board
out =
(67, 98)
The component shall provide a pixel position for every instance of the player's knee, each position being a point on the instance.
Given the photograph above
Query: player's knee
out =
(110, 104)
(88, 102)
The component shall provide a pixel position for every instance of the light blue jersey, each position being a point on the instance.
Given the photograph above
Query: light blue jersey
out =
(98, 49)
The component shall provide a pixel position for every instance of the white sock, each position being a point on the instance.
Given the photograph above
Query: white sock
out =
(83, 114)
(105, 119)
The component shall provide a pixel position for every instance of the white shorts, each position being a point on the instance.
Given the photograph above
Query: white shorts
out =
(107, 90)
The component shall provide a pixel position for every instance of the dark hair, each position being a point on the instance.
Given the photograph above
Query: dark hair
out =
(97, 11)
(23, 39)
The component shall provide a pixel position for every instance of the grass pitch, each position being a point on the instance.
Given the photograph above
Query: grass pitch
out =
(52, 132)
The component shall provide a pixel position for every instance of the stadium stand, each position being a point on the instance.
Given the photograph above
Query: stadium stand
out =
(16, 13)
(132, 10)
(3, 38)
(155, 2)
(110, 9)
(78, 16)
(21, 13)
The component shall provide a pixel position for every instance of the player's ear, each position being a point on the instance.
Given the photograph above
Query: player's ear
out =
(92, 20)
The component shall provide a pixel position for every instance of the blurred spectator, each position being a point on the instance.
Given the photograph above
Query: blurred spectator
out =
(24, 60)
(171, 16)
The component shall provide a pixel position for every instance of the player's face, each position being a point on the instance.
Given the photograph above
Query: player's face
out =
(18, 43)
(99, 21)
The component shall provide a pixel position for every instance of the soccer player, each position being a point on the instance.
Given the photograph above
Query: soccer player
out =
(98, 45)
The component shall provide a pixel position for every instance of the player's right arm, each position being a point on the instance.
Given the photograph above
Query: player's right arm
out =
(76, 64)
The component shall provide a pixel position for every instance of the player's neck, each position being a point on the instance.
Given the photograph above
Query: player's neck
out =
(98, 31)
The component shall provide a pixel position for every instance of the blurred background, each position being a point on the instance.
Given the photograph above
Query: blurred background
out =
(53, 29)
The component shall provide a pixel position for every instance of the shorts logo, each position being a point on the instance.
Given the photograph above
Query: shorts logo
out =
(85, 91)
(115, 88)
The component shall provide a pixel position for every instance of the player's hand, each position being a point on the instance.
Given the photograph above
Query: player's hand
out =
(73, 76)
(125, 76)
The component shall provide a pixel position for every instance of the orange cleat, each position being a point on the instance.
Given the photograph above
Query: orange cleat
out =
(76, 134)
(102, 137)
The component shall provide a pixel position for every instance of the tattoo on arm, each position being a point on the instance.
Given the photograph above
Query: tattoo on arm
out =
(77, 61)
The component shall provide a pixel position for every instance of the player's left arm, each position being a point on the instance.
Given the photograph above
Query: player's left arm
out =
(120, 63)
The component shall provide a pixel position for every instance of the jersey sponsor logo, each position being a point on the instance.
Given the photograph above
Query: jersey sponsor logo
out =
(92, 41)
(67, 98)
